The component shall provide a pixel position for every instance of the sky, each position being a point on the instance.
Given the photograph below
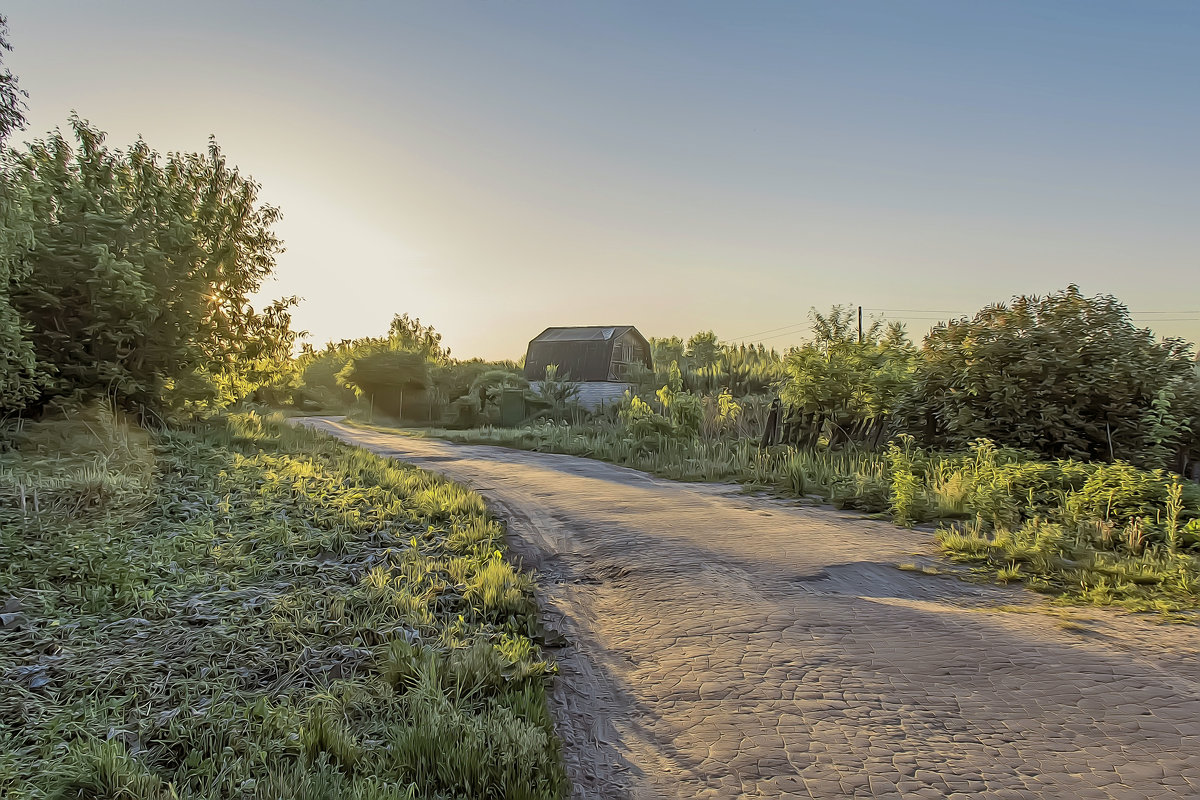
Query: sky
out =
(498, 167)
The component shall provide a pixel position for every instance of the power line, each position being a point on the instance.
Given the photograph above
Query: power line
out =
(776, 336)
(909, 310)
(770, 330)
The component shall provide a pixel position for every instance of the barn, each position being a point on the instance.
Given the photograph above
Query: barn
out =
(597, 356)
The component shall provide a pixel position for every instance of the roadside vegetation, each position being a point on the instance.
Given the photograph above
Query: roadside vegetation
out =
(247, 609)
(1049, 440)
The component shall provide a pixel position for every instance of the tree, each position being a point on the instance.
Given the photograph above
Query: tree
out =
(703, 349)
(386, 375)
(12, 96)
(408, 334)
(1065, 375)
(664, 351)
(20, 379)
(851, 385)
(131, 273)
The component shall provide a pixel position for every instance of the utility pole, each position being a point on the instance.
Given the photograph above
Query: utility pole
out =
(860, 324)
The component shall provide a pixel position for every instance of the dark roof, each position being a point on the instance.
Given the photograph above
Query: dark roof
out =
(582, 353)
(582, 333)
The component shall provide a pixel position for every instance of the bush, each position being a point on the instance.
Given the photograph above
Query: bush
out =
(1065, 375)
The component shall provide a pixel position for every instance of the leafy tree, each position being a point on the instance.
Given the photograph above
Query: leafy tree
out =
(448, 380)
(742, 369)
(852, 386)
(19, 376)
(666, 350)
(703, 349)
(12, 96)
(132, 273)
(1065, 375)
(318, 384)
(408, 334)
(386, 375)
(453, 378)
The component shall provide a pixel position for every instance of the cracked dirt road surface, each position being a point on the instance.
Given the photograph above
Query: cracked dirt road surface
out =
(721, 645)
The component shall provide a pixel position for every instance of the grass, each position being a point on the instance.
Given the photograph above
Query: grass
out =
(250, 610)
(1088, 533)
(1054, 560)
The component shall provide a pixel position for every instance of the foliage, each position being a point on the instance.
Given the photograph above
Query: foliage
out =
(667, 350)
(20, 378)
(643, 422)
(557, 397)
(558, 391)
(849, 384)
(703, 349)
(455, 379)
(728, 409)
(246, 610)
(12, 96)
(1064, 375)
(386, 375)
(491, 383)
(129, 274)
(409, 335)
(442, 383)
(318, 386)
(742, 369)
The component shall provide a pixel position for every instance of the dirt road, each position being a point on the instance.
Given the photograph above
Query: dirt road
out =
(728, 646)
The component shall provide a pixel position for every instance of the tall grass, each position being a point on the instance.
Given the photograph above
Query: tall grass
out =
(249, 610)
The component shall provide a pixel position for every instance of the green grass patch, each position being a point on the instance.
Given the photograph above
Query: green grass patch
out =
(251, 610)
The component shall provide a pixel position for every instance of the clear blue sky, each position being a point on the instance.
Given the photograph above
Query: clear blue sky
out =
(497, 167)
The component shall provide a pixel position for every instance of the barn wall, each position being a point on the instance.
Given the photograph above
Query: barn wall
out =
(629, 347)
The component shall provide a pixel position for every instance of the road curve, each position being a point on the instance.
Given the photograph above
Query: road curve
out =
(726, 646)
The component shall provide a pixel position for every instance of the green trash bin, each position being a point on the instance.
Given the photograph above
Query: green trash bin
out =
(512, 407)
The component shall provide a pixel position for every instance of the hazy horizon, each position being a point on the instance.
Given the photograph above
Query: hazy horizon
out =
(495, 169)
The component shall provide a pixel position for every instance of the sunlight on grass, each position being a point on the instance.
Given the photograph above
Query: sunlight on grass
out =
(247, 610)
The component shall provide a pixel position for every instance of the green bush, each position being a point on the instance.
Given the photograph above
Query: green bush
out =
(1066, 376)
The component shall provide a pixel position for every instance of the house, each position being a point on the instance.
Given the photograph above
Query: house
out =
(597, 356)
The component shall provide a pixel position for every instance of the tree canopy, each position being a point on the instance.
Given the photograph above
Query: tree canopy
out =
(1064, 374)
(129, 275)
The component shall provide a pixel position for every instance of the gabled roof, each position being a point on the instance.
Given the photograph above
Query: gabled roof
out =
(582, 333)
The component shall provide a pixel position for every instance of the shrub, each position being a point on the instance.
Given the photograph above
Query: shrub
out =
(1064, 375)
